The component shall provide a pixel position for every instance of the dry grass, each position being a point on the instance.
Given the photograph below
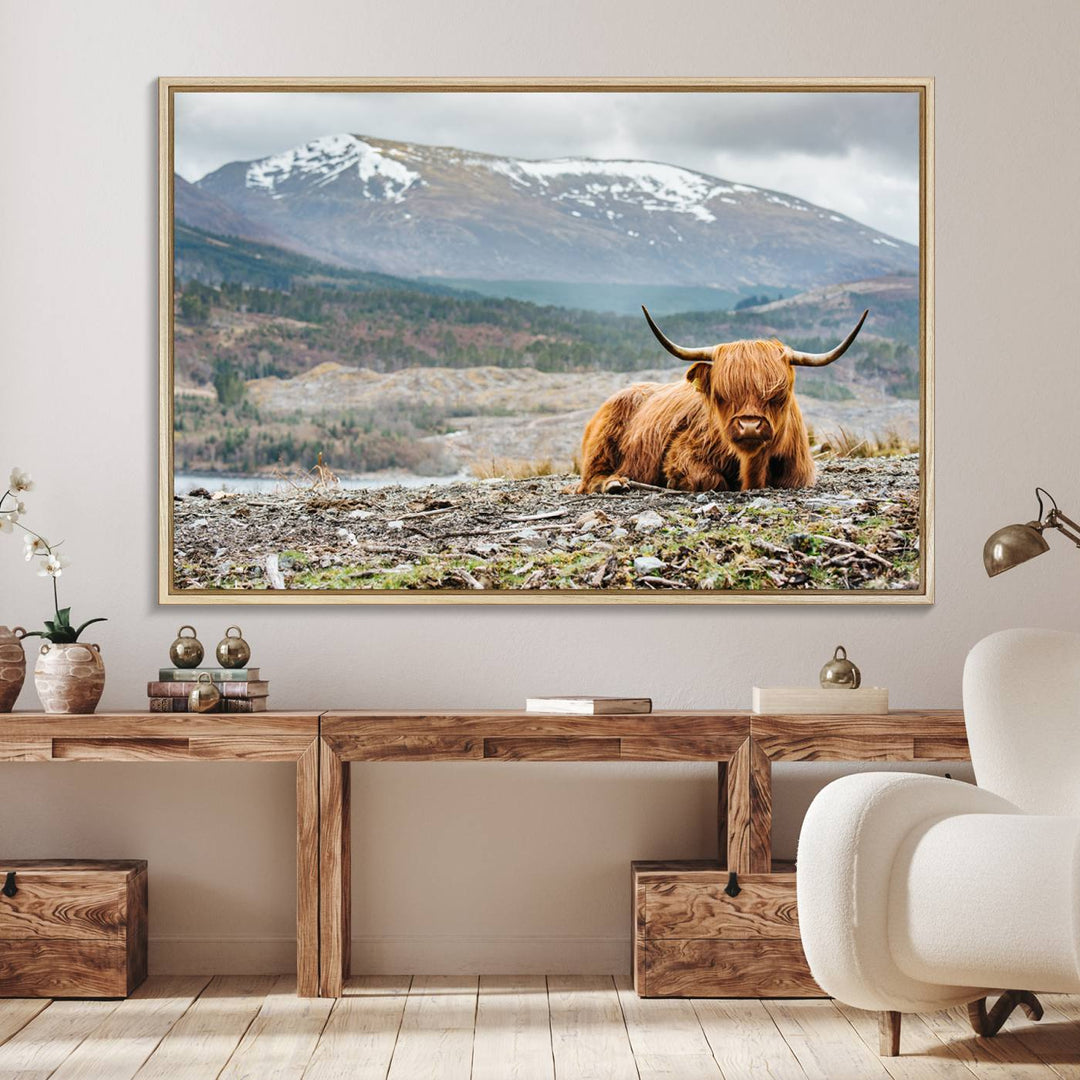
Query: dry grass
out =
(318, 478)
(843, 444)
(512, 468)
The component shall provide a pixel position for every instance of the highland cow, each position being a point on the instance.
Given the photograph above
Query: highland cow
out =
(732, 424)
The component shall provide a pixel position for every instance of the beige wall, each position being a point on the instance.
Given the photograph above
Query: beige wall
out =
(495, 867)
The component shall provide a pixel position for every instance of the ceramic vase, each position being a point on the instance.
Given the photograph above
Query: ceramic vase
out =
(69, 678)
(12, 666)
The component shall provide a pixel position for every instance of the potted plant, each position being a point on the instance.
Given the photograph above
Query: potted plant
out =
(69, 674)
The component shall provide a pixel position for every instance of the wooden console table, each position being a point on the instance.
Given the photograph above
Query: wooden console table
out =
(903, 735)
(136, 736)
(322, 745)
(742, 744)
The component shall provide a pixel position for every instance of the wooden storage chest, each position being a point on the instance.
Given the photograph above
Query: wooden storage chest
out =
(692, 939)
(71, 928)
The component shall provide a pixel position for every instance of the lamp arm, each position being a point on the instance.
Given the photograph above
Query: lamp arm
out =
(1057, 520)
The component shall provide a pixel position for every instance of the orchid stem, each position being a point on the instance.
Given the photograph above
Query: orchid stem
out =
(48, 546)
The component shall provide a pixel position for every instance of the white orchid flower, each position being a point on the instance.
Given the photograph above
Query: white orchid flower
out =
(7, 520)
(20, 481)
(53, 566)
(34, 545)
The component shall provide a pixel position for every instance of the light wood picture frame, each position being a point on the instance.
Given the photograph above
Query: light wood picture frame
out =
(389, 309)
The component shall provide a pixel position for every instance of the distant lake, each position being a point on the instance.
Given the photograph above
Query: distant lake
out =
(185, 482)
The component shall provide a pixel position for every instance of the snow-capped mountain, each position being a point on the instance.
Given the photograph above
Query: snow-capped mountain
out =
(424, 211)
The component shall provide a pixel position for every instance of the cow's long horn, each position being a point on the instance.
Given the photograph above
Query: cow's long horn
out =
(820, 359)
(689, 355)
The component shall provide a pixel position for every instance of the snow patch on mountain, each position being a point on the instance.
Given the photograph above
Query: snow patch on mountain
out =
(323, 160)
(474, 214)
(650, 185)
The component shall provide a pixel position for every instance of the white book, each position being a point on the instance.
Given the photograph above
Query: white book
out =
(588, 706)
(818, 701)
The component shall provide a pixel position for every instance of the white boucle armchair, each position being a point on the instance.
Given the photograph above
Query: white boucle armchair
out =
(918, 893)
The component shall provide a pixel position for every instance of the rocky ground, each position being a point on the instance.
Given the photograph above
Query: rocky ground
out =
(858, 528)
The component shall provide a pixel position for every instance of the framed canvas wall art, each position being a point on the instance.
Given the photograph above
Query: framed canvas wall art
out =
(546, 341)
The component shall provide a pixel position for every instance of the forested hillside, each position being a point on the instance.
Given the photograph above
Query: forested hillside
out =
(246, 311)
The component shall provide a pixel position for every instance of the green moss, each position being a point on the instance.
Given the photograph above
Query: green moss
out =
(738, 548)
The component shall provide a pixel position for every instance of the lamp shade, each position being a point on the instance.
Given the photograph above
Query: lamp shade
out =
(1012, 545)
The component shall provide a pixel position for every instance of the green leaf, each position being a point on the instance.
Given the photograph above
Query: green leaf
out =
(50, 625)
(86, 624)
(63, 616)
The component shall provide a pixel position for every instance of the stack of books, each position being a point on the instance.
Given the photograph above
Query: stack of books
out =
(241, 689)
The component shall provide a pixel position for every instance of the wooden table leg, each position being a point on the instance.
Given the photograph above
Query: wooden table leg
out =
(722, 813)
(334, 872)
(749, 810)
(307, 872)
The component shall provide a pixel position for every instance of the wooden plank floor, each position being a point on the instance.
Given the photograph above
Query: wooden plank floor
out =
(525, 1027)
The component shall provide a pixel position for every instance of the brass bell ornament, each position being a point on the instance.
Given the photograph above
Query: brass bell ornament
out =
(186, 651)
(233, 652)
(840, 673)
(204, 695)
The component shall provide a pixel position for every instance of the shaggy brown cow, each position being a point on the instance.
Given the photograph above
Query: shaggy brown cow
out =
(733, 424)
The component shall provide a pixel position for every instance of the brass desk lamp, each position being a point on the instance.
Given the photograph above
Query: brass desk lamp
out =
(1014, 544)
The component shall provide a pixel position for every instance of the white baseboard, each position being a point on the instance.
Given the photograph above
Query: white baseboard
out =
(430, 954)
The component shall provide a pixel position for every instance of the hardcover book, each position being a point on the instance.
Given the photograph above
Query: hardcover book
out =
(228, 705)
(588, 706)
(168, 704)
(225, 689)
(218, 674)
(239, 705)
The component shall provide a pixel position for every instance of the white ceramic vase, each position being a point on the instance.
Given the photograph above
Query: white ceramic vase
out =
(69, 678)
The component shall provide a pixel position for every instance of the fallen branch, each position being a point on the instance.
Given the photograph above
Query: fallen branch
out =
(273, 573)
(606, 570)
(465, 576)
(663, 581)
(425, 513)
(517, 529)
(539, 517)
(842, 560)
(847, 545)
(634, 485)
(783, 552)
(772, 549)
(377, 548)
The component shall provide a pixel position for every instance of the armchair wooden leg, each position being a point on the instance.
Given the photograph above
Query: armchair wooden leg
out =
(889, 1033)
(988, 1024)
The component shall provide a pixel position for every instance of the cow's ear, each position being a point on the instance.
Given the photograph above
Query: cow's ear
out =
(698, 374)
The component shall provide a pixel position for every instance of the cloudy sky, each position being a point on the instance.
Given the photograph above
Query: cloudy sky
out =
(855, 153)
